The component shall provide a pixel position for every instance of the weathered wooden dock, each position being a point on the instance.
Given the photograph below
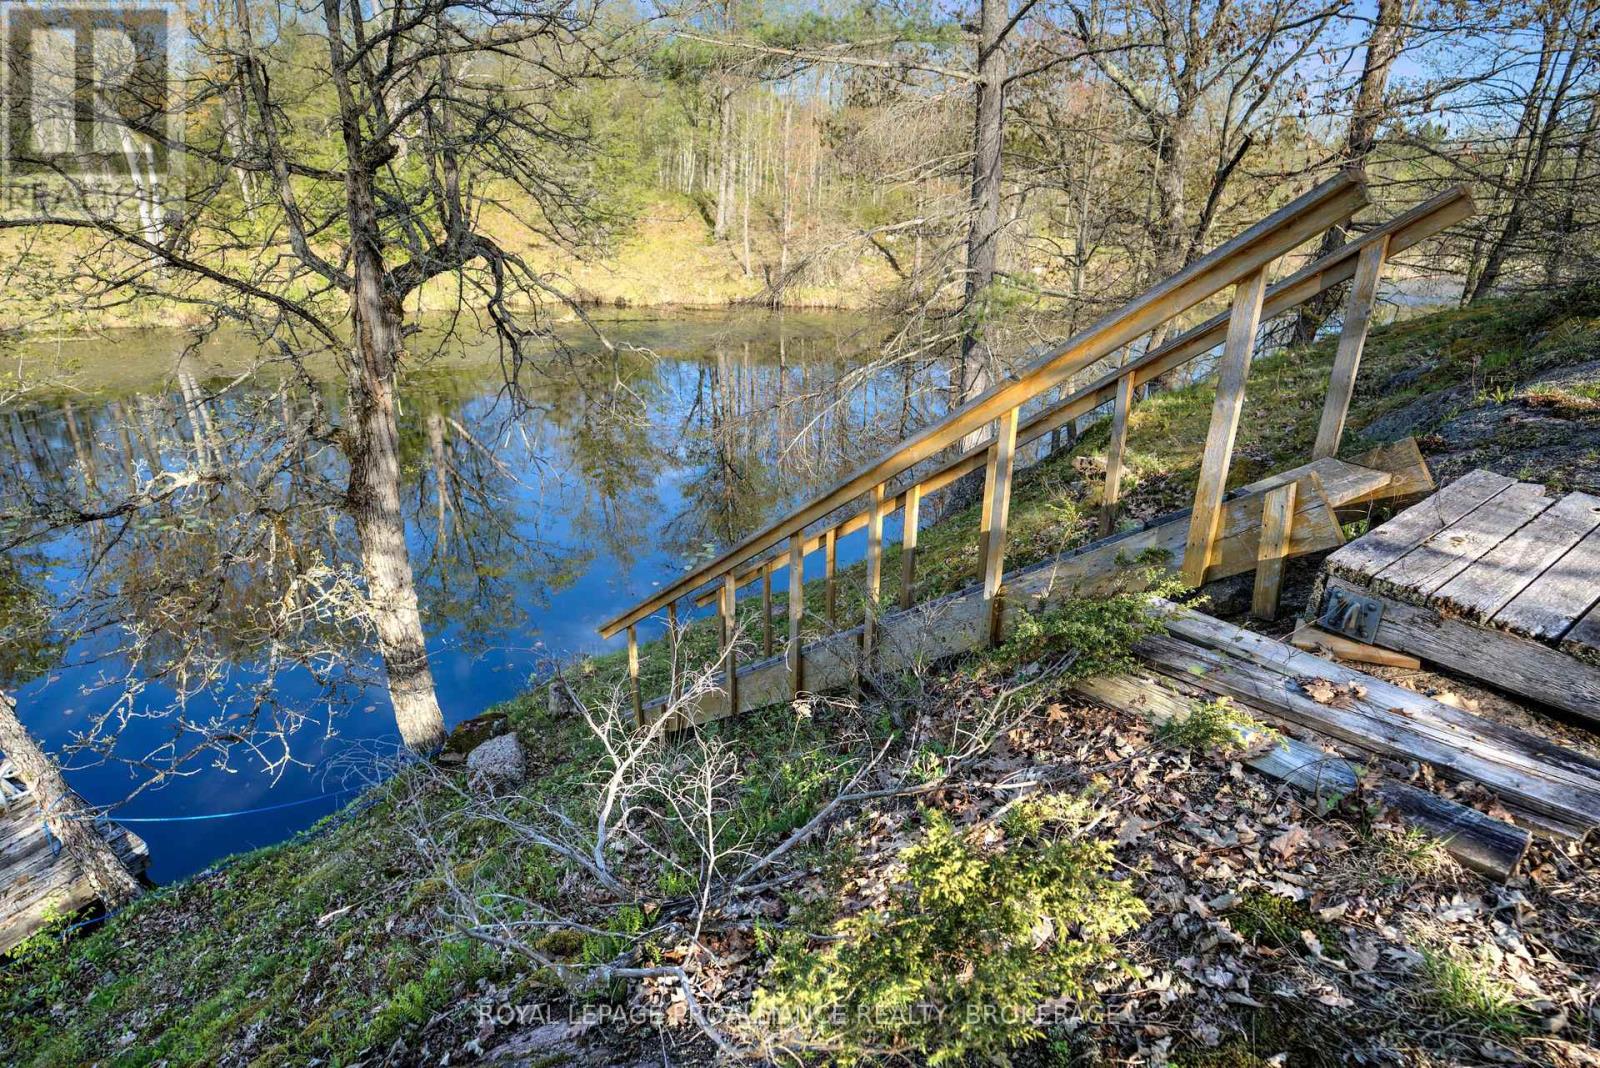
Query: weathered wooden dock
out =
(1494, 578)
(37, 878)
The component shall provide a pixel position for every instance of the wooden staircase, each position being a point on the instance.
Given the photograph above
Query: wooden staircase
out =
(1221, 534)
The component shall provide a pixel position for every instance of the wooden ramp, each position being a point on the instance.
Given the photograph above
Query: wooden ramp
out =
(36, 877)
(1490, 577)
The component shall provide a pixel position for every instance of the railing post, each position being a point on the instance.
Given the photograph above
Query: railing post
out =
(908, 546)
(997, 496)
(766, 611)
(1114, 454)
(1277, 522)
(874, 570)
(633, 676)
(797, 607)
(672, 648)
(1352, 337)
(1232, 373)
(829, 568)
(730, 589)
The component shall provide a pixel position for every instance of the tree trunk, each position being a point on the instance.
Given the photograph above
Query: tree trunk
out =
(69, 819)
(719, 229)
(974, 372)
(373, 496)
(1540, 126)
(1383, 48)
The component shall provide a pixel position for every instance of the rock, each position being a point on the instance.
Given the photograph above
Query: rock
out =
(1419, 416)
(499, 760)
(471, 734)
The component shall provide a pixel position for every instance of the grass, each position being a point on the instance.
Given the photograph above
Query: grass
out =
(1464, 988)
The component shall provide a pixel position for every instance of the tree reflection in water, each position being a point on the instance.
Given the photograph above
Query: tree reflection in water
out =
(180, 599)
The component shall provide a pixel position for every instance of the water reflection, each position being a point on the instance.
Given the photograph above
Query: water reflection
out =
(179, 564)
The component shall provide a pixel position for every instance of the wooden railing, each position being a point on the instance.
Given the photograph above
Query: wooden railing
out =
(1241, 263)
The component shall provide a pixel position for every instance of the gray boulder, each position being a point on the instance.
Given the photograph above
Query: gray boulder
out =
(499, 760)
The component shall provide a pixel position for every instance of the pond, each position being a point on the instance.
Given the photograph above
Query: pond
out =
(531, 519)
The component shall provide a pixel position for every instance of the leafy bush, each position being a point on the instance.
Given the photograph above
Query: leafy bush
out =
(979, 936)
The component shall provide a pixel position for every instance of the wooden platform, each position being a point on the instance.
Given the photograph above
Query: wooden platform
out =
(37, 879)
(1490, 577)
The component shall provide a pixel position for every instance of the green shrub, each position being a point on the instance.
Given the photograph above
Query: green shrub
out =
(1218, 724)
(978, 937)
(1097, 633)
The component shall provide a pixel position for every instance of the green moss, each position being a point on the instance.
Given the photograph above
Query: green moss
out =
(1274, 921)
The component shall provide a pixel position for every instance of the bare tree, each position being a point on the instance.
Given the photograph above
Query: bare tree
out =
(443, 111)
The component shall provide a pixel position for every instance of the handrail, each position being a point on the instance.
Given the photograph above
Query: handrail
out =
(1242, 258)
(1402, 232)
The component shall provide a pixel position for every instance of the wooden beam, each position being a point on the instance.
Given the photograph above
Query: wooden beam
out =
(1316, 640)
(1480, 842)
(1277, 519)
(1505, 660)
(1244, 256)
(633, 675)
(1352, 337)
(997, 491)
(1114, 455)
(908, 546)
(874, 571)
(1232, 374)
(730, 590)
(797, 607)
(829, 573)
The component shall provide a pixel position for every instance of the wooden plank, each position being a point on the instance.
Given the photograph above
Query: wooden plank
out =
(797, 604)
(1277, 519)
(1352, 337)
(908, 546)
(1477, 841)
(1547, 607)
(1244, 257)
(1442, 734)
(1500, 658)
(1324, 643)
(1114, 454)
(1232, 374)
(1583, 640)
(1379, 548)
(1419, 573)
(874, 570)
(1403, 460)
(1488, 584)
(999, 494)
(1363, 724)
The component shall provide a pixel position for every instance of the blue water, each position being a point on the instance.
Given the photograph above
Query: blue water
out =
(698, 451)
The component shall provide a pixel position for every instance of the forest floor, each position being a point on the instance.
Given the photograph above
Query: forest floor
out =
(1202, 915)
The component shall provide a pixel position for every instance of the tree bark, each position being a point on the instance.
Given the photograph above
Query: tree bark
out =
(69, 819)
(974, 373)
